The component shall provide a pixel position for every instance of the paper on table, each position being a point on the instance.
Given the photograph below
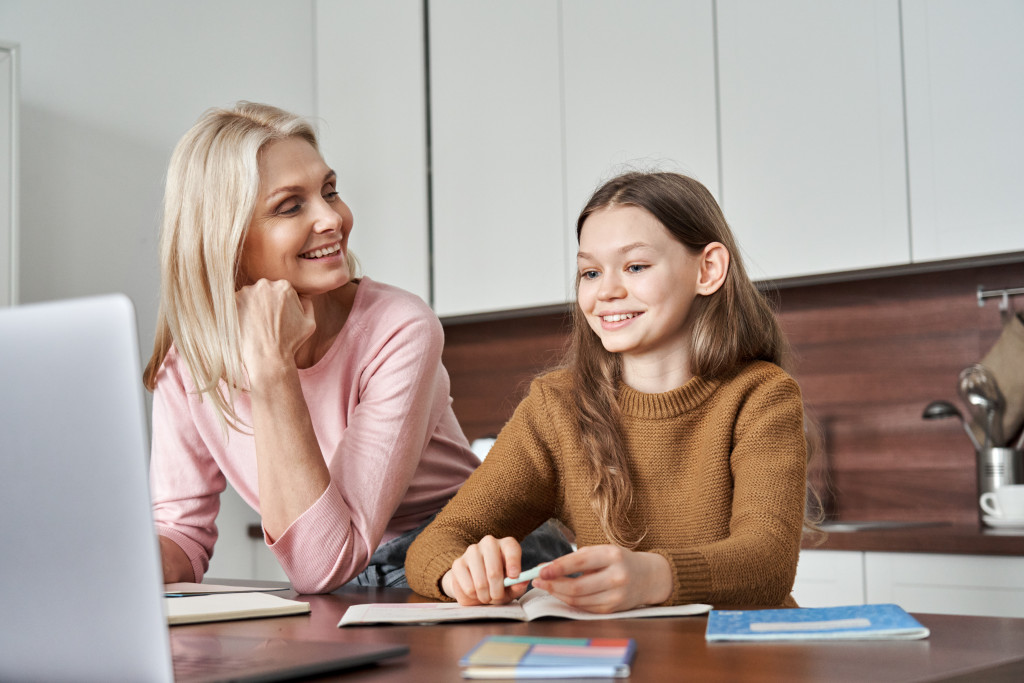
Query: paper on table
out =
(229, 606)
(181, 589)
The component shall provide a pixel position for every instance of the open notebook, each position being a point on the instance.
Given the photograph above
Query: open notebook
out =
(80, 575)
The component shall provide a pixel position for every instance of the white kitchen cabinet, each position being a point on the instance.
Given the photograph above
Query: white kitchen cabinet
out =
(828, 578)
(983, 585)
(496, 149)
(947, 584)
(371, 101)
(812, 134)
(521, 138)
(965, 126)
(639, 94)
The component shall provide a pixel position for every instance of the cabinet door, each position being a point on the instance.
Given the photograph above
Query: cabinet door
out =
(496, 150)
(829, 578)
(947, 584)
(813, 155)
(639, 93)
(965, 126)
(371, 99)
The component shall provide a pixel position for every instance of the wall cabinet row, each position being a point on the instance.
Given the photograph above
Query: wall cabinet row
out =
(838, 136)
(918, 582)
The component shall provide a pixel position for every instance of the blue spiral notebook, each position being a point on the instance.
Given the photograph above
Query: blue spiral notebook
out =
(853, 622)
(539, 657)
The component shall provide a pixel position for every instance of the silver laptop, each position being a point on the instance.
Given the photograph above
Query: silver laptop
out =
(81, 592)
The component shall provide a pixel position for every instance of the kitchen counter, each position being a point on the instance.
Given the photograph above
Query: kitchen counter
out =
(968, 539)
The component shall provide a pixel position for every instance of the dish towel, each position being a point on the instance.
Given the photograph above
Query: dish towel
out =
(1005, 361)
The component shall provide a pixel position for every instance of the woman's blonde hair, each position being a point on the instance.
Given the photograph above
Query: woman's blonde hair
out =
(212, 185)
(731, 327)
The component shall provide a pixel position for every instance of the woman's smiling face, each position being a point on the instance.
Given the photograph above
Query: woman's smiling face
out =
(300, 226)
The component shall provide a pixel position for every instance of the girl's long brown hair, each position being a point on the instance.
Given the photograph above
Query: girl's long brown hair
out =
(731, 327)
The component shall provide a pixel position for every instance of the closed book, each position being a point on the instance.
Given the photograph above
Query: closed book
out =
(852, 622)
(538, 657)
(196, 609)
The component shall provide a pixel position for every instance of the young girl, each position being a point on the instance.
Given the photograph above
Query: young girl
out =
(671, 442)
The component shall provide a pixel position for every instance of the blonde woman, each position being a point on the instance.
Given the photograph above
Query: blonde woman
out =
(671, 442)
(320, 396)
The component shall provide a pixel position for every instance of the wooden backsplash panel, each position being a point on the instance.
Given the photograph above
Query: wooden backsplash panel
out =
(869, 356)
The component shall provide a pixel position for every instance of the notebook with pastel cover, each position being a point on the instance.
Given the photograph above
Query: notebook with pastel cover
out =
(539, 657)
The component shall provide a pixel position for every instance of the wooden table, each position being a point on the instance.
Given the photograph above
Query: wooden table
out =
(959, 648)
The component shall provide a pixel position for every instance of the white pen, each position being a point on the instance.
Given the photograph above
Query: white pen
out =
(528, 575)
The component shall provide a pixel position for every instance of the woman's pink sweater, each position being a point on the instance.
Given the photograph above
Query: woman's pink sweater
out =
(380, 405)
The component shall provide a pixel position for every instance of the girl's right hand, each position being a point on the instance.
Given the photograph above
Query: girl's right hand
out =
(477, 578)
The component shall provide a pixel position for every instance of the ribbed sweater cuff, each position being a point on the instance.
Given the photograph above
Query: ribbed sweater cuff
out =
(691, 577)
(435, 570)
(195, 552)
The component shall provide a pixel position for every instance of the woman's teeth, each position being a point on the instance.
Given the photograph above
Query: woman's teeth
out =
(320, 253)
(618, 317)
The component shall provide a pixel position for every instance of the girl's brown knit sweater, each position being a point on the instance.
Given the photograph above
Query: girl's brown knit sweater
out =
(718, 470)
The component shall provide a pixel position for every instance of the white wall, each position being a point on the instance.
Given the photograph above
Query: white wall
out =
(107, 88)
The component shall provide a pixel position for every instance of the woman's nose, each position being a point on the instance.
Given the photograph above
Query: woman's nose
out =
(327, 218)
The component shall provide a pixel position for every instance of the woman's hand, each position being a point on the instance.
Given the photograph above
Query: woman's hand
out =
(477, 578)
(274, 322)
(613, 579)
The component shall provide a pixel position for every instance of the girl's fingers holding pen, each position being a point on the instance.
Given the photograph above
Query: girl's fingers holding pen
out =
(494, 569)
(513, 556)
(473, 576)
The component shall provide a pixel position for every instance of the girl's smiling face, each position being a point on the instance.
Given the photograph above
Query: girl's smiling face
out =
(300, 226)
(637, 284)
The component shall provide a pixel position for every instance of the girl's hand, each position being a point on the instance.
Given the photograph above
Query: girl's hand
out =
(274, 322)
(613, 579)
(477, 578)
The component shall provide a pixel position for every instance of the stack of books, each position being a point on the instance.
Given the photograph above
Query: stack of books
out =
(536, 657)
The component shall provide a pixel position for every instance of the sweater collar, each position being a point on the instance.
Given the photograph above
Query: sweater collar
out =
(666, 405)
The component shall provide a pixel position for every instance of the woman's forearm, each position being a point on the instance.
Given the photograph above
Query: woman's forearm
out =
(292, 471)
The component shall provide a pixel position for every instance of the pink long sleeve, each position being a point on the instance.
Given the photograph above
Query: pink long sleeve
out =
(380, 406)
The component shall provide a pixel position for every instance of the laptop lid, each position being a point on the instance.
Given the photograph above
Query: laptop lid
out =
(80, 575)
(81, 584)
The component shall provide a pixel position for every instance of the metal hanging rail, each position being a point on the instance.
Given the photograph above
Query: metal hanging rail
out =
(1003, 294)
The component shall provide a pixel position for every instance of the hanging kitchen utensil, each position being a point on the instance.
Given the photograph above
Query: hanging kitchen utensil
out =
(937, 410)
(980, 391)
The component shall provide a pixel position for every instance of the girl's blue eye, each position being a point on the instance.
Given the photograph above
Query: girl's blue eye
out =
(588, 275)
(637, 268)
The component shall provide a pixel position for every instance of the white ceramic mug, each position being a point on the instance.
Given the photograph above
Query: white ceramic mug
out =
(1007, 502)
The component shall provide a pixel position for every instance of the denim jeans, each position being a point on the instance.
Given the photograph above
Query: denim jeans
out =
(387, 564)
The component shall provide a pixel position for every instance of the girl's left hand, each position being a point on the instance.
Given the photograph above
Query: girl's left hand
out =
(613, 579)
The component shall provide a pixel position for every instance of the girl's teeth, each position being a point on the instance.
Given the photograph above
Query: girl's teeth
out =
(618, 318)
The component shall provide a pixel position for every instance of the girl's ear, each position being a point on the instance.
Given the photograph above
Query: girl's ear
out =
(714, 266)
